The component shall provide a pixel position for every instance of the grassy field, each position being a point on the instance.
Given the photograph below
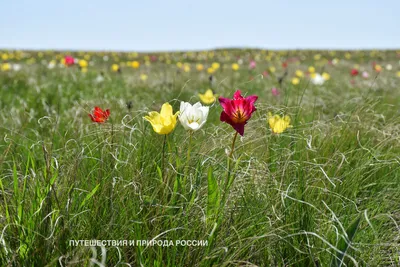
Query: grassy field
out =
(324, 192)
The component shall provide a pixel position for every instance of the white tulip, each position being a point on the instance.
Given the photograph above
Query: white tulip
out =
(193, 117)
(317, 79)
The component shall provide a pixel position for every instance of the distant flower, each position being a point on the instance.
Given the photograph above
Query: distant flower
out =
(215, 65)
(52, 64)
(299, 73)
(237, 111)
(311, 69)
(295, 81)
(199, 67)
(272, 69)
(163, 122)
(317, 79)
(83, 63)
(69, 61)
(284, 65)
(275, 91)
(114, 67)
(252, 64)
(235, 66)
(389, 67)
(378, 68)
(210, 70)
(99, 78)
(326, 76)
(5, 66)
(143, 77)
(16, 67)
(265, 73)
(193, 117)
(277, 123)
(208, 97)
(99, 116)
(398, 74)
(365, 75)
(354, 72)
(135, 64)
(186, 68)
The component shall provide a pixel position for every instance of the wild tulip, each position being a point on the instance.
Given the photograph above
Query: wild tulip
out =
(354, 72)
(163, 122)
(208, 97)
(237, 111)
(193, 117)
(275, 91)
(98, 115)
(317, 79)
(252, 64)
(365, 75)
(69, 61)
(277, 123)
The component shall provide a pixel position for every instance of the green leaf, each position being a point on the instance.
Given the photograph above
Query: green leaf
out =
(344, 243)
(89, 195)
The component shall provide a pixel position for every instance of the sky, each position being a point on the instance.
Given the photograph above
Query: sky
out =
(170, 25)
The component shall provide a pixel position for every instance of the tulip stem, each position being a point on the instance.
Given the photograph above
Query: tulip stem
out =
(228, 175)
(233, 146)
(163, 157)
(188, 157)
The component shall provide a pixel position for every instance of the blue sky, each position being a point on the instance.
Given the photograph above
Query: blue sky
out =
(151, 25)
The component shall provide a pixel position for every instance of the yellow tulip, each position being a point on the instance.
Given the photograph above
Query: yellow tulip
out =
(215, 65)
(299, 73)
(83, 63)
(135, 64)
(277, 123)
(186, 67)
(143, 77)
(295, 81)
(114, 67)
(317, 57)
(199, 67)
(6, 67)
(208, 97)
(163, 122)
(326, 76)
(235, 66)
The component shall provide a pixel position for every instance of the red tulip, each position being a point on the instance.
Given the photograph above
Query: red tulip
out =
(69, 61)
(98, 115)
(237, 111)
(354, 72)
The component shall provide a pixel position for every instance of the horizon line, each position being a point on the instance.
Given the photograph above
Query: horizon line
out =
(198, 50)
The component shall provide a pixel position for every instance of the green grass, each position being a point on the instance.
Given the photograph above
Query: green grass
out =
(323, 193)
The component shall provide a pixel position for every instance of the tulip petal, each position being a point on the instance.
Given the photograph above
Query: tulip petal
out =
(237, 95)
(166, 110)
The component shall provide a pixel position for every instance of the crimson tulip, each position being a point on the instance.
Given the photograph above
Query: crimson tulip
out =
(237, 111)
